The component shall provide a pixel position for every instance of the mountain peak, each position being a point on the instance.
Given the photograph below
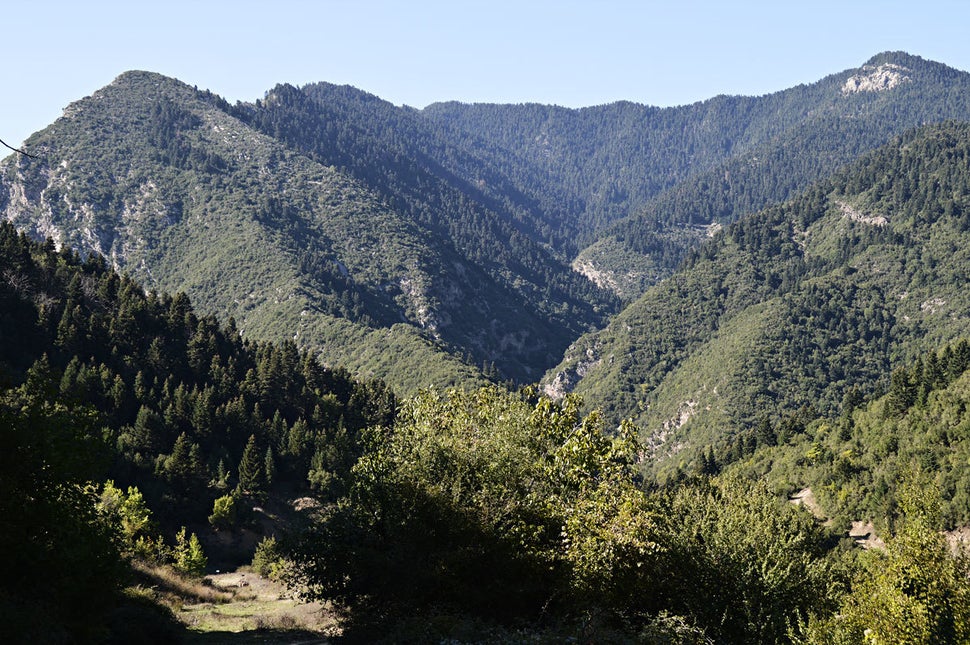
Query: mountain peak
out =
(136, 77)
(901, 58)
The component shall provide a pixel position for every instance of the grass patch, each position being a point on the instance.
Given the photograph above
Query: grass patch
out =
(173, 589)
(257, 606)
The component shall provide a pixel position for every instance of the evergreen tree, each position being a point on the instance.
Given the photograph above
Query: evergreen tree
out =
(251, 468)
(269, 468)
(188, 555)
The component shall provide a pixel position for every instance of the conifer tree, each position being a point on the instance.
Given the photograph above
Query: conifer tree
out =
(189, 557)
(269, 470)
(251, 478)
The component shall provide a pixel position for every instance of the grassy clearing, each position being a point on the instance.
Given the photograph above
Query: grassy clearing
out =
(237, 607)
(258, 605)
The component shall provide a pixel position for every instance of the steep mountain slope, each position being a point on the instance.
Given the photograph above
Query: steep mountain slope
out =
(651, 181)
(100, 381)
(163, 181)
(457, 193)
(792, 306)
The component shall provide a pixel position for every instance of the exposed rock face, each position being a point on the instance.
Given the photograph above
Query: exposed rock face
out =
(602, 279)
(565, 380)
(856, 216)
(876, 79)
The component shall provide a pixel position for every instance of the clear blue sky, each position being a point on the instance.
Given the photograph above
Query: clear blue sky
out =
(415, 52)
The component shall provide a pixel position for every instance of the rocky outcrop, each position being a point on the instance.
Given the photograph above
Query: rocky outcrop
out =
(876, 78)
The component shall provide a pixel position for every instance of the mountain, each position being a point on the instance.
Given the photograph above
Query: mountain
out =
(454, 244)
(167, 184)
(812, 343)
(649, 184)
(789, 309)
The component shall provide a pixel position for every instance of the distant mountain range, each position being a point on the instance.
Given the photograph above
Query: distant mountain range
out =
(459, 243)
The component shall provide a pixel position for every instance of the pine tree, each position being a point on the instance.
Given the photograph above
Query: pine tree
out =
(269, 470)
(251, 478)
(189, 557)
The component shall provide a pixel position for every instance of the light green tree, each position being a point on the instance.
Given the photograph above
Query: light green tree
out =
(223, 512)
(187, 554)
(128, 509)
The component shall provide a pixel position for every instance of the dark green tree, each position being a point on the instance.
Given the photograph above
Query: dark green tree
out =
(251, 469)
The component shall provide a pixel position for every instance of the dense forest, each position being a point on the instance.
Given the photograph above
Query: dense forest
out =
(651, 178)
(105, 382)
(790, 308)
(462, 515)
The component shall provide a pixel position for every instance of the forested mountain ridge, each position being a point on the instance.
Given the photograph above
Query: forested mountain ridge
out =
(163, 181)
(460, 195)
(453, 244)
(652, 180)
(792, 307)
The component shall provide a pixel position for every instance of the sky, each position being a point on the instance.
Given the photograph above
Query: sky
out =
(418, 52)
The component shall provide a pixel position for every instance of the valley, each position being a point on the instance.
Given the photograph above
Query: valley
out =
(480, 372)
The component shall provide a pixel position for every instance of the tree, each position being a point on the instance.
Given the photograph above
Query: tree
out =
(188, 555)
(251, 479)
(184, 467)
(62, 561)
(128, 509)
(902, 392)
(728, 533)
(484, 503)
(223, 512)
(269, 468)
(915, 592)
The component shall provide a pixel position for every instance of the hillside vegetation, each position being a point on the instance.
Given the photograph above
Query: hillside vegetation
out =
(101, 381)
(455, 244)
(792, 307)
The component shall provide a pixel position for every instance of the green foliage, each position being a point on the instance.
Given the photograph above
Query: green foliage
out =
(187, 555)
(252, 478)
(128, 510)
(61, 564)
(916, 591)
(506, 509)
(223, 512)
(731, 534)
(854, 464)
(464, 504)
(268, 559)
